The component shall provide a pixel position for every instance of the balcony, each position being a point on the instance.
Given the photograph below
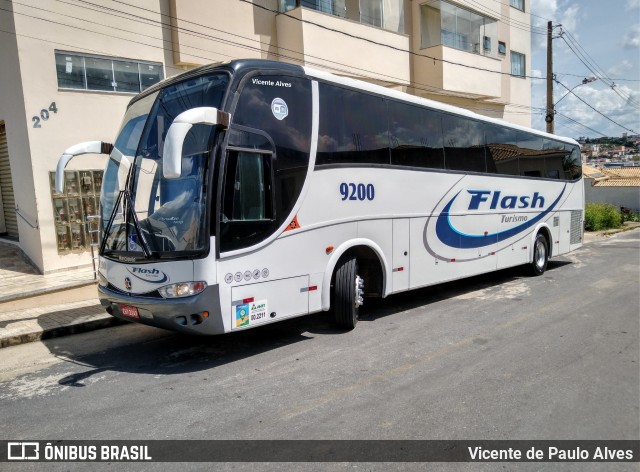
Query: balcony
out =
(333, 42)
(386, 14)
(451, 35)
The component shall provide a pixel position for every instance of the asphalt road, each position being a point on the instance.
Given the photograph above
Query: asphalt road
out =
(501, 356)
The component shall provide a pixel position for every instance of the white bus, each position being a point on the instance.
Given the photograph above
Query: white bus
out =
(248, 192)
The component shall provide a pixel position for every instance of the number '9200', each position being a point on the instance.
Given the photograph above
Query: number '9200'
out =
(351, 191)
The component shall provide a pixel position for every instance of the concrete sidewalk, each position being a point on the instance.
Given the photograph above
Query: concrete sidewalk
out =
(35, 307)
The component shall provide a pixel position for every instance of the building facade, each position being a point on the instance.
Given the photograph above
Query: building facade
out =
(70, 69)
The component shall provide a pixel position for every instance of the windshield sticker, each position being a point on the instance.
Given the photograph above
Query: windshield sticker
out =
(133, 242)
(279, 108)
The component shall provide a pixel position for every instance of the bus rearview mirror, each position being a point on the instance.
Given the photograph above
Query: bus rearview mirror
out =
(172, 150)
(89, 147)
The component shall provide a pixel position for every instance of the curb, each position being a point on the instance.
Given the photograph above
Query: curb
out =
(75, 328)
(45, 290)
(597, 235)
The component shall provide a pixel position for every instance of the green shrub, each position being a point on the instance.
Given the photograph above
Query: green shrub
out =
(600, 216)
(629, 215)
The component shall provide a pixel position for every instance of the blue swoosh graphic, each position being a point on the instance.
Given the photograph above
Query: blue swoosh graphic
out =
(454, 238)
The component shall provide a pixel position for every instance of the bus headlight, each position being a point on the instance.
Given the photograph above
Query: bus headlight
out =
(102, 280)
(182, 289)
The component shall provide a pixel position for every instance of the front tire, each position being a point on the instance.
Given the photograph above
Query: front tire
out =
(540, 255)
(348, 288)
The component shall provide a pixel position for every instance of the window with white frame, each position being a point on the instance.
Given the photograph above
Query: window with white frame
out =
(82, 72)
(449, 25)
(518, 64)
(519, 4)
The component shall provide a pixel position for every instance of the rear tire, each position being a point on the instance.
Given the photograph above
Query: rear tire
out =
(540, 255)
(347, 294)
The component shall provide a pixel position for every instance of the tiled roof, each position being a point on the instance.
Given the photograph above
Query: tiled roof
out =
(613, 177)
(624, 172)
(591, 172)
(618, 183)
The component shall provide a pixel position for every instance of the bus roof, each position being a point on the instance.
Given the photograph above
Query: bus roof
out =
(247, 65)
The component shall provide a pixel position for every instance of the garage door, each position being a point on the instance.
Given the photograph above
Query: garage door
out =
(6, 187)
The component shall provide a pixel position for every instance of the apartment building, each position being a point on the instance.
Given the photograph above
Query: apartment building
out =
(70, 67)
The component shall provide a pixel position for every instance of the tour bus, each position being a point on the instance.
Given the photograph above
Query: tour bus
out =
(248, 192)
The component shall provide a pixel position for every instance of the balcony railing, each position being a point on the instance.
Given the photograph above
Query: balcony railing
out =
(370, 12)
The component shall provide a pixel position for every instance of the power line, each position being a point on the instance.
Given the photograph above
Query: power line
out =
(594, 68)
(128, 16)
(416, 85)
(395, 48)
(597, 111)
(580, 124)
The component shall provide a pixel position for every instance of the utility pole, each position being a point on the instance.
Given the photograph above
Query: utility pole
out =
(549, 117)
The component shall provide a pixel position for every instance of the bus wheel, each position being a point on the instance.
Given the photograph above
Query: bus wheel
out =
(540, 255)
(347, 290)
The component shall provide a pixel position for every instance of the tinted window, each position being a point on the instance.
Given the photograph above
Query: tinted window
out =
(555, 154)
(99, 74)
(463, 144)
(280, 106)
(532, 155)
(114, 75)
(127, 76)
(70, 70)
(502, 150)
(416, 136)
(572, 163)
(353, 128)
(247, 187)
(247, 191)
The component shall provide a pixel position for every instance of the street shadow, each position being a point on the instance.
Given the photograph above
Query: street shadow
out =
(142, 349)
(147, 350)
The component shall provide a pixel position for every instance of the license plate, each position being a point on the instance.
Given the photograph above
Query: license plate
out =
(129, 311)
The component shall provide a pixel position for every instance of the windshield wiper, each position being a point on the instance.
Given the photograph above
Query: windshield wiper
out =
(128, 213)
(136, 225)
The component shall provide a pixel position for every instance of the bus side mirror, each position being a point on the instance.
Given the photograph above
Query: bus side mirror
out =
(172, 150)
(89, 147)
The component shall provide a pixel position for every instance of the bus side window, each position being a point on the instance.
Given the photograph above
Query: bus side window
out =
(247, 188)
(503, 154)
(353, 127)
(572, 164)
(416, 136)
(532, 155)
(463, 144)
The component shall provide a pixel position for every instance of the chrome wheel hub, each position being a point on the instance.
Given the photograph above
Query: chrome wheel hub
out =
(359, 292)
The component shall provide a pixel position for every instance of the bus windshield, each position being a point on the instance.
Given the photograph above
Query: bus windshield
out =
(143, 213)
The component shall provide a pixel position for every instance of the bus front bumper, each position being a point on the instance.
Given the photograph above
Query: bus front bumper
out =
(198, 314)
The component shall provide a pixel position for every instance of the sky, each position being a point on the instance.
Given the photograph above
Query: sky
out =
(606, 34)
